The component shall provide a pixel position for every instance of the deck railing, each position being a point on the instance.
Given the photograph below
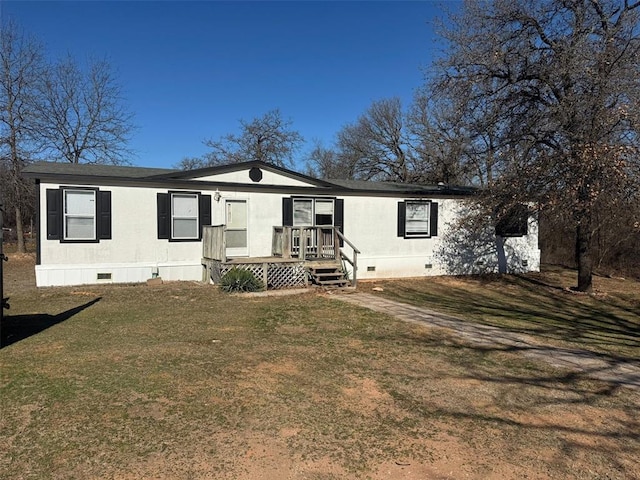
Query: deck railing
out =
(315, 243)
(302, 243)
(353, 261)
(214, 243)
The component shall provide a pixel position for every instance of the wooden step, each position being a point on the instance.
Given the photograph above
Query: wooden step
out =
(334, 283)
(331, 268)
(318, 264)
(327, 274)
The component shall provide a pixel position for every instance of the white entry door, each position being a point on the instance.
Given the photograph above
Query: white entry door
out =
(236, 221)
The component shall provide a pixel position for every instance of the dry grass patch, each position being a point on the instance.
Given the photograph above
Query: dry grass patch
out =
(181, 381)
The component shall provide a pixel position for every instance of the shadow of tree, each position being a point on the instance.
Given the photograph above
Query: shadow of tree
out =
(553, 314)
(15, 328)
(470, 246)
(526, 397)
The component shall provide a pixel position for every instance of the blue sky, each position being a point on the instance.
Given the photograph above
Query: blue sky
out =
(190, 70)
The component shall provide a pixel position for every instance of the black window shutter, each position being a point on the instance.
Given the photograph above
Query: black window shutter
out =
(205, 211)
(103, 215)
(433, 219)
(54, 214)
(164, 215)
(401, 218)
(338, 217)
(287, 212)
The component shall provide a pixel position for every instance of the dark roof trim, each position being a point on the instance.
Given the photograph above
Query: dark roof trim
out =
(135, 177)
(46, 169)
(235, 167)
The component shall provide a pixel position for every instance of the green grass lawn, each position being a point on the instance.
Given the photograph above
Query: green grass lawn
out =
(183, 381)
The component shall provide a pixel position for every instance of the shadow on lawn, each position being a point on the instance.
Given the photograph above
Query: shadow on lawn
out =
(18, 327)
(554, 314)
(524, 396)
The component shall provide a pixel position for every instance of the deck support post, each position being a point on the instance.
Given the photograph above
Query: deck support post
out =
(265, 275)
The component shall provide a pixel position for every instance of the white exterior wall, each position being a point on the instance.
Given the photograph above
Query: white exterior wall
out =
(242, 176)
(371, 225)
(134, 253)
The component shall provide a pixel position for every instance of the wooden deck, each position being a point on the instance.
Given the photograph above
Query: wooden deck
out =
(299, 255)
(242, 260)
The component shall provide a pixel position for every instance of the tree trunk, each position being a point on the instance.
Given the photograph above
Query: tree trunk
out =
(20, 232)
(583, 256)
(502, 257)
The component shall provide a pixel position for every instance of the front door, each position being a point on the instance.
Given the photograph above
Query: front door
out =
(236, 222)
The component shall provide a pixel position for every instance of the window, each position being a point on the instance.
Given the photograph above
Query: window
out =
(321, 212)
(417, 219)
(312, 212)
(513, 223)
(324, 212)
(181, 215)
(302, 212)
(78, 214)
(184, 216)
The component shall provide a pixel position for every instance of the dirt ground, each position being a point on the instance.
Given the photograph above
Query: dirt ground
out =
(474, 436)
(19, 273)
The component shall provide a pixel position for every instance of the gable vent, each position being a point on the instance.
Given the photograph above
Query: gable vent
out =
(255, 174)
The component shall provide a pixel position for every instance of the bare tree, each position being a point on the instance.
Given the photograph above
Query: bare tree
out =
(377, 146)
(387, 143)
(191, 163)
(439, 141)
(323, 162)
(82, 116)
(22, 66)
(269, 138)
(560, 81)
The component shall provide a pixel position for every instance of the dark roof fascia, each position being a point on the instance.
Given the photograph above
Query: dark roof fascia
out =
(155, 182)
(235, 167)
(46, 169)
(439, 192)
(63, 173)
(374, 186)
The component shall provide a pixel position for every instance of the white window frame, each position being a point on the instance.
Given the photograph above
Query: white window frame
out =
(195, 218)
(66, 215)
(419, 233)
(313, 201)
